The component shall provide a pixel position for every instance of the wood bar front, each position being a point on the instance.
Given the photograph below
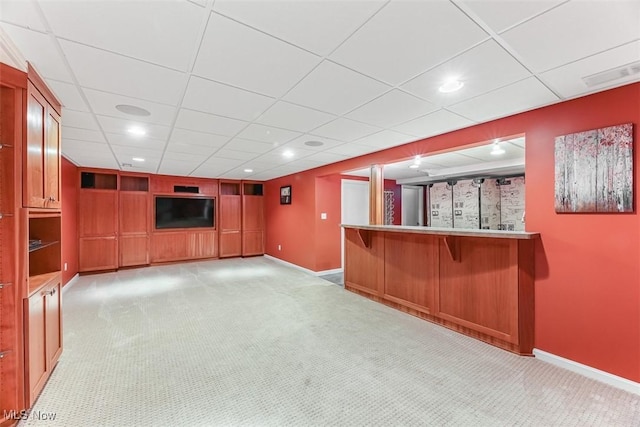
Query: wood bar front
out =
(477, 282)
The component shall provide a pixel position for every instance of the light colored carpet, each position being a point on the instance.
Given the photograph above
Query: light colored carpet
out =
(251, 342)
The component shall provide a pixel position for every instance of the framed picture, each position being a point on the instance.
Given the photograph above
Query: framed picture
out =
(285, 195)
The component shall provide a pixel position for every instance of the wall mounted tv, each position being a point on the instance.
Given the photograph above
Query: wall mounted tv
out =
(184, 212)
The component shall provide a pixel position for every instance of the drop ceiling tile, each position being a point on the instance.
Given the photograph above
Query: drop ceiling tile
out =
(436, 123)
(72, 146)
(81, 134)
(23, 13)
(210, 123)
(40, 50)
(327, 158)
(524, 95)
(264, 176)
(174, 167)
(238, 173)
(269, 134)
(201, 150)
(216, 98)
(189, 137)
(120, 126)
(146, 167)
(568, 32)
(449, 160)
(345, 130)
(303, 23)
(351, 149)
(136, 142)
(326, 142)
(392, 108)
(105, 162)
(335, 89)
(290, 116)
(239, 144)
(254, 61)
(398, 43)
(500, 15)
(109, 72)
(104, 103)
(164, 33)
(385, 139)
(79, 119)
(215, 169)
(227, 153)
(194, 159)
(68, 95)
(125, 154)
(567, 80)
(482, 69)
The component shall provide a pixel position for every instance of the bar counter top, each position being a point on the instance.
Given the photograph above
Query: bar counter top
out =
(500, 234)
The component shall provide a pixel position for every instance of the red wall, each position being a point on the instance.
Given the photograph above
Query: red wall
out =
(587, 266)
(69, 220)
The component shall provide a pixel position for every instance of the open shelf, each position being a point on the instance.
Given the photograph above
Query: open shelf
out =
(99, 181)
(229, 188)
(252, 189)
(134, 183)
(41, 245)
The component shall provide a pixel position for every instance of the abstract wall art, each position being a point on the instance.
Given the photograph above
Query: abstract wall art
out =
(594, 170)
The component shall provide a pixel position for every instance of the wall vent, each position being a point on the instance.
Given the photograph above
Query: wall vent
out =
(612, 74)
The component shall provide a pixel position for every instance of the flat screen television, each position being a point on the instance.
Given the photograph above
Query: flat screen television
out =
(184, 212)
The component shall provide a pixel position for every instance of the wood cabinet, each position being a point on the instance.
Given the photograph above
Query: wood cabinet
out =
(134, 221)
(13, 84)
(42, 187)
(43, 335)
(479, 284)
(230, 219)
(252, 219)
(183, 245)
(97, 221)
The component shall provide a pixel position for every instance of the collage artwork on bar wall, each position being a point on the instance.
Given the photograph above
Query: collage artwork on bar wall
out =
(594, 171)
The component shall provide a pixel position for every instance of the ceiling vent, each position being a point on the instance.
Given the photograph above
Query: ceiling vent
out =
(612, 74)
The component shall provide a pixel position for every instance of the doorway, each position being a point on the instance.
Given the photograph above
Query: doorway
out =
(354, 206)
(412, 205)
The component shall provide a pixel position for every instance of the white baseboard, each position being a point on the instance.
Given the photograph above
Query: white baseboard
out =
(70, 283)
(306, 270)
(588, 371)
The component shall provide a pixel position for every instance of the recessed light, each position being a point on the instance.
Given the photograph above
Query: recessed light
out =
(132, 110)
(137, 159)
(287, 153)
(314, 143)
(137, 131)
(497, 150)
(248, 170)
(451, 85)
(414, 166)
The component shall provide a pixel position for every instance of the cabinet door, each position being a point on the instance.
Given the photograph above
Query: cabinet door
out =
(230, 244)
(134, 250)
(53, 323)
(36, 352)
(52, 187)
(230, 225)
(33, 190)
(133, 242)
(98, 253)
(97, 213)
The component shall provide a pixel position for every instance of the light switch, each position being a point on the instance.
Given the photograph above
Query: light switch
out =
(323, 215)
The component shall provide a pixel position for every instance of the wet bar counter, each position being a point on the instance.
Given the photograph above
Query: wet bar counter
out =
(477, 282)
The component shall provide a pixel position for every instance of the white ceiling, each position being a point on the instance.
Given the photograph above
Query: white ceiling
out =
(231, 84)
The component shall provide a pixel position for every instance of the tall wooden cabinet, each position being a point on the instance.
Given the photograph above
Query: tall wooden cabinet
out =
(13, 85)
(30, 231)
(252, 219)
(230, 219)
(134, 223)
(98, 221)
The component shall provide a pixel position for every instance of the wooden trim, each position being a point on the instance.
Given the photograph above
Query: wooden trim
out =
(42, 87)
(12, 77)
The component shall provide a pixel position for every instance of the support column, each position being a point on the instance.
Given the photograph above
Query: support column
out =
(376, 195)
